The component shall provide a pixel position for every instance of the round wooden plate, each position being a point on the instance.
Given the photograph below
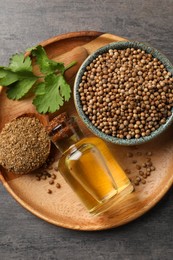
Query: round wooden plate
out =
(62, 207)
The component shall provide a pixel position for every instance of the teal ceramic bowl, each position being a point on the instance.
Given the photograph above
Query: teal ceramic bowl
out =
(120, 45)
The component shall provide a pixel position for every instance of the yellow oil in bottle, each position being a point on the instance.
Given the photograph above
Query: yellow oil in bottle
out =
(119, 176)
(88, 167)
(93, 179)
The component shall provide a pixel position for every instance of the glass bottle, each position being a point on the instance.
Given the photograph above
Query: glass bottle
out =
(87, 165)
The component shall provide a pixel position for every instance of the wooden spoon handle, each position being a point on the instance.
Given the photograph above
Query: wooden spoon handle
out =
(79, 54)
(101, 41)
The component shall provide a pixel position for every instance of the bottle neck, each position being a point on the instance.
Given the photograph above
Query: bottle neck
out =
(65, 133)
(65, 143)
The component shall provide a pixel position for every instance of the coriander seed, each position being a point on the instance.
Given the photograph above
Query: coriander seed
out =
(58, 185)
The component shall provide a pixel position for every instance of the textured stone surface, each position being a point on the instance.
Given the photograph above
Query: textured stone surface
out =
(25, 23)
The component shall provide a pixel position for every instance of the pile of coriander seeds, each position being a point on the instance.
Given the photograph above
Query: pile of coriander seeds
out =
(126, 93)
(49, 173)
(140, 166)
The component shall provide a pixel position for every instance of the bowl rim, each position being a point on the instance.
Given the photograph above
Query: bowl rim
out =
(120, 45)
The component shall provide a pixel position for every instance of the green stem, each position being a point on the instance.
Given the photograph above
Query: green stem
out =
(70, 65)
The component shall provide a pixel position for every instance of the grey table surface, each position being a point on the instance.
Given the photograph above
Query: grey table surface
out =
(24, 23)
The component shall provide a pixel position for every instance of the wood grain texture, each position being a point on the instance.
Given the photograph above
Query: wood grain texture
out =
(27, 22)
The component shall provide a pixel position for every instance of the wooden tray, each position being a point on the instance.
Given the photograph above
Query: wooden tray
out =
(62, 207)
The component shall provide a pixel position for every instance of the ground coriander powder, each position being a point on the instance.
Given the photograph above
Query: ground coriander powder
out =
(24, 145)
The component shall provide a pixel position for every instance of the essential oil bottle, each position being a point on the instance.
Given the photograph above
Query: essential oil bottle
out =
(87, 165)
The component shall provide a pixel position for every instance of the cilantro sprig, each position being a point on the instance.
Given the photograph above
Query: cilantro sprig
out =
(50, 89)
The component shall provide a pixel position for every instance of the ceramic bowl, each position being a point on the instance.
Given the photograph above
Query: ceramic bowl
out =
(120, 45)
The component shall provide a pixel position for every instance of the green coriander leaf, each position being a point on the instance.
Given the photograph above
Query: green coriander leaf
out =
(54, 95)
(20, 88)
(19, 79)
(40, 89)
(7, 77)
(19, 62)
(2, 72)
(65, 90)
(46, 65)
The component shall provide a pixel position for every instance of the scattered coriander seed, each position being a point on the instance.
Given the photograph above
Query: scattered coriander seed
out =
(134, 161)
(51, 182)
(53, 176)
(149, 153)
(43, 177)
(138, 178)
(58, 185)
(136, 182)
(152, 168)
(141, 173)
(148, 170)
(128, 171)
(129, 154)
(138, 167)
(144, 176)
(143, 181)
(49, 191)
(144, 165)
(149, 164)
